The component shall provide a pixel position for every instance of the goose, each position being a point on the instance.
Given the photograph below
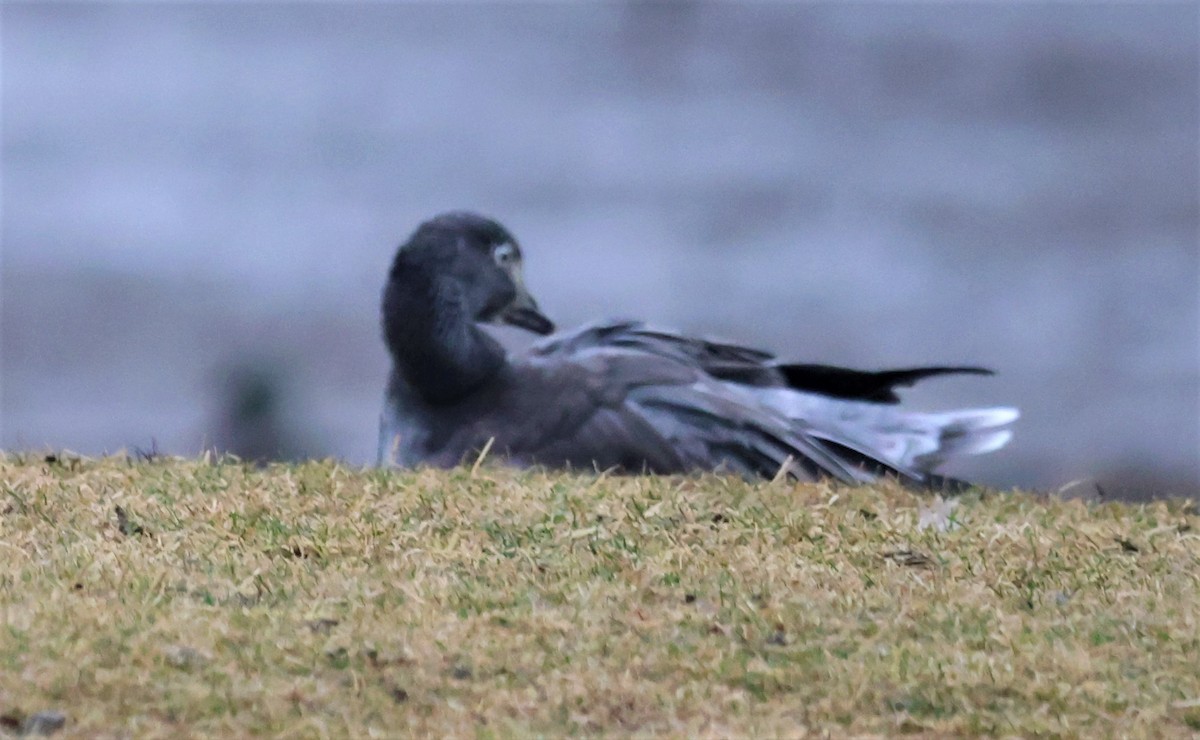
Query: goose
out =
(627, 397)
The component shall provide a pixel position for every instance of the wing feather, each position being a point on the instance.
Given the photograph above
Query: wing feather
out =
(748, 366)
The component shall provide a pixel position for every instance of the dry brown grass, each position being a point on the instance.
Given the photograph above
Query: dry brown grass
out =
(321, 600)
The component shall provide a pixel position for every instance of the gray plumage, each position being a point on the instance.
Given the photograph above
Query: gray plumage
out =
(624, 396)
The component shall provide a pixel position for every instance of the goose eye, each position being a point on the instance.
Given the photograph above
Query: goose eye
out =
(504, 254)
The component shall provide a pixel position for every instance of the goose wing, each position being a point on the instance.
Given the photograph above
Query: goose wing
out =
(748, 366)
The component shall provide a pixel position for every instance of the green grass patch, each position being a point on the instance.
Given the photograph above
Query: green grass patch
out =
(318, 599)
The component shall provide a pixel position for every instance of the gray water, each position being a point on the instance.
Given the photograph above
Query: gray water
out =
(198, 193)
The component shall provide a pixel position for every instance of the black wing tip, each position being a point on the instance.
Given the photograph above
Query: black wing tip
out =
(952, 370)
(909, 376)
(876, 387)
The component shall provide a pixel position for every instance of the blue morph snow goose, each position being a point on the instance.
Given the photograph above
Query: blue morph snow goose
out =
(627, 397)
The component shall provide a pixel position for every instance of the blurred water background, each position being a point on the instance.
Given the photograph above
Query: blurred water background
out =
(200, 202)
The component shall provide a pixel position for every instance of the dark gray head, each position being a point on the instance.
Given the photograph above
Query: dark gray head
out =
(476, 257)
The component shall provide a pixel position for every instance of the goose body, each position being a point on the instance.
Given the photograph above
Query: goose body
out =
(625, 396)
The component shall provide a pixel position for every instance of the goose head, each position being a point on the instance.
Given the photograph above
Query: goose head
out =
(474, 259)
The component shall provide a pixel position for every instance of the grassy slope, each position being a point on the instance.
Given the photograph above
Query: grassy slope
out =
(320, 599)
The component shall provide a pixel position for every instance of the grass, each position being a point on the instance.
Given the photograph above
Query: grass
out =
(178, 597)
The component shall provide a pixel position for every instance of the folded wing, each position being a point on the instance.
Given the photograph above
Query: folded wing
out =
(699, 404)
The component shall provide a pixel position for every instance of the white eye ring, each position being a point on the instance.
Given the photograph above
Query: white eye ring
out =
(504, 254)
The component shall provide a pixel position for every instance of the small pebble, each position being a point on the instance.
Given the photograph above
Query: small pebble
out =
(184, 657)
(46, 722)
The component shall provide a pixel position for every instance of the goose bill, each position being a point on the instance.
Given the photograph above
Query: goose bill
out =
(527, 317)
